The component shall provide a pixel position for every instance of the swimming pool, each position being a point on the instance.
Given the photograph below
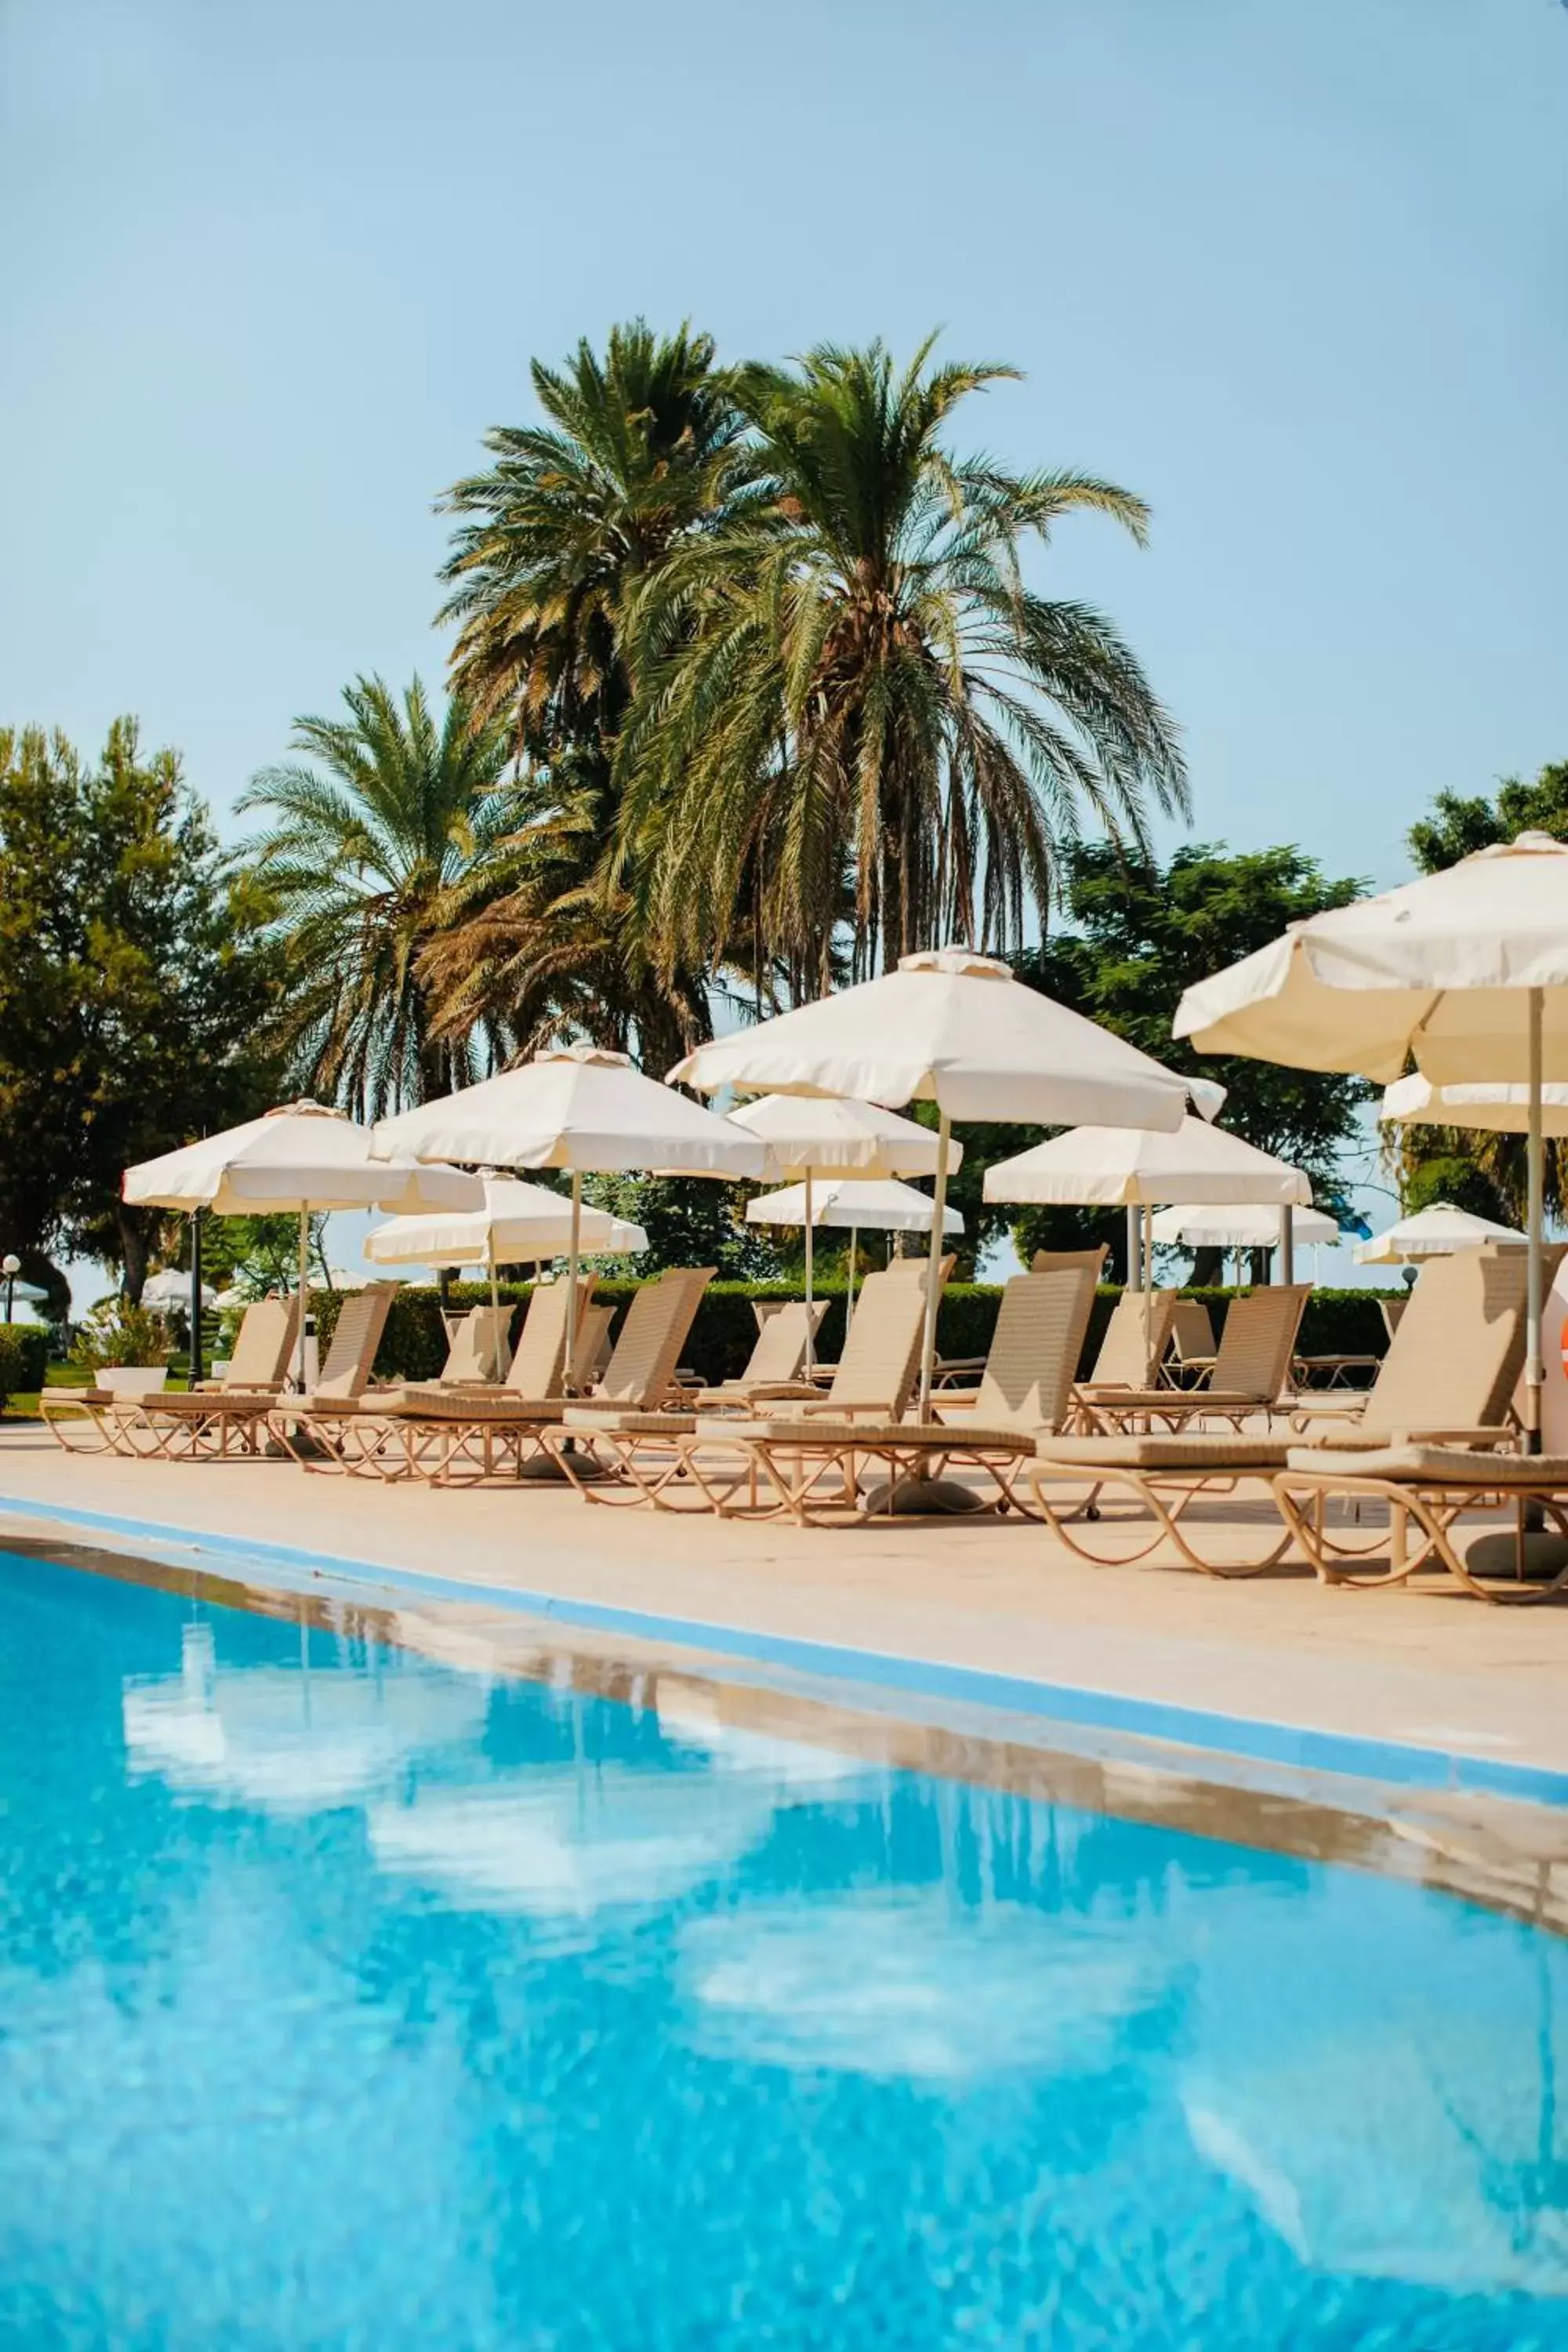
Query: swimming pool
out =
(351, 1998)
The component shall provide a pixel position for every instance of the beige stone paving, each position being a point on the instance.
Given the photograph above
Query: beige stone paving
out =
(1436, 1669)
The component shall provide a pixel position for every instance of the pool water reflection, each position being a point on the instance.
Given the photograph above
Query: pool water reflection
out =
(347, 1999)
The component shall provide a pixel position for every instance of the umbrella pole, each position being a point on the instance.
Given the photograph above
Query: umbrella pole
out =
(850, 1302)
(304, 1285)
(495, 1285)
(1145, 1275)
(1534, 1368)
(572, 1279)
(933, 1263)
(194, 1373)
(809, 1269)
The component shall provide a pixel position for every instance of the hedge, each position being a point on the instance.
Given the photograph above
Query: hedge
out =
(414, 1346)
(24, 1359)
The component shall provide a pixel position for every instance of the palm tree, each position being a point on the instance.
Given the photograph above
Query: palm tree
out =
(849, 702)
(640, 448)
(359, 853)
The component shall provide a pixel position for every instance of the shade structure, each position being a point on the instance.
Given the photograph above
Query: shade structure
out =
(1434, 1232)
(1124, 1167)
(1464, 973)
(172, 1288)
(881, 1204)
(808, 1134)
(582, 1109)
(1496, 1109)
(303, 1156)
(1200, 1225)
(517, 1220)
(955, 1028)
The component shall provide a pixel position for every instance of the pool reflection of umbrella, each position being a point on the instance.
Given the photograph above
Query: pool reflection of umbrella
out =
(283, 1739)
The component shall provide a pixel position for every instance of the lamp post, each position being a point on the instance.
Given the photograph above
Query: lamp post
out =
(11, 1267)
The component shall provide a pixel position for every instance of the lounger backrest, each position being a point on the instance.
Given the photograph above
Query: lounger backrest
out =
(1259, 1341)
(265, 1342)
(881, 1351)
(915, 1269)
(129, 1380)
(477, 1347)
(1035, 1348)
(1392, 1309)
(538, 1366)
(1135, 1338)
(780, 1350)
(642, 1365)
(1458, 1350)
(1192, 1331)
(592, 1343)
(355, 1338)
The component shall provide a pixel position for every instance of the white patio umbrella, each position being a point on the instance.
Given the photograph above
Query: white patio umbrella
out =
(1434, 1232)
(1198, 1225)
(1133, 1168)
(304, 1156)
(1465, 972)
(1414, 1101)
(172, 1288)
(581, 1109)
(805, 1136)
(955, 1028)
(882, 1203)
(516, 1221)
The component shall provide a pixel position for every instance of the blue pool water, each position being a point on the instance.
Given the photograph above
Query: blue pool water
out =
(350, 1999)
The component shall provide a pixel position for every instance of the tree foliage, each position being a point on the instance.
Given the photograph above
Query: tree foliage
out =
(135, 978)
(364, 838)
(850, 707)
(1458, 824)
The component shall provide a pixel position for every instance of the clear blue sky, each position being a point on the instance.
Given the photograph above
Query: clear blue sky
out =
(1294, 273)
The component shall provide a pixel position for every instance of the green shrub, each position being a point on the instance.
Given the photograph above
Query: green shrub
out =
(414, 1346)
(118, 1333)
(25, 1357)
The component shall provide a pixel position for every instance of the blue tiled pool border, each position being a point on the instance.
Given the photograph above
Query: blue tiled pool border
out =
(1399, 1763)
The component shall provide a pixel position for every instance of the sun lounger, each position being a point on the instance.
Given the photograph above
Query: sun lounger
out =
(1249, 1371)
(80, 1419)
(1134, 1344)
(1447, 1379)
(798, 1467)
(344, 1378)
(464, 1434)
(218, 1418)
(650, 1453)
(775, 1360)
(1191, 1359)
(1425, 1489)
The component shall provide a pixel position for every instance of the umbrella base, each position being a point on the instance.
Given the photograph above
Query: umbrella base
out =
(1504, 1556)
(543, 1469)
(915, 1499)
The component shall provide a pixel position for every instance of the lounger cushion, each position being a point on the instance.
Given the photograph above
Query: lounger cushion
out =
(1197, 1452)
(401, 1405)
(912, 1437)
(623, 1420)
(1433, 1465)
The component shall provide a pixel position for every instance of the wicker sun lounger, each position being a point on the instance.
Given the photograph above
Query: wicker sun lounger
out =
(1250, 1370)
(467, 1435)
(1134, 1344)
(217, 1418)
(799, 1467)
(1425, 1488)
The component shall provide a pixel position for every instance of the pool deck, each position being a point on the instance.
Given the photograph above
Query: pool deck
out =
(1428, 1671)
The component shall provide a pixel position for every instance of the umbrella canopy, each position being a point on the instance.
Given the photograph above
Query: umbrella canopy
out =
(804, 1134)
(580, 1109)
(577, 1109)
(1434, 1232)
(1414, 1101)
(1200, 1225)
(955, 1028)
(172, 1288)
(882, 1205)
(517, 1220)
(302, 1156)
(1465, 972)
(1124, 1167)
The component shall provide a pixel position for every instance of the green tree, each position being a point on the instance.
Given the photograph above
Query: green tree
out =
(640, 448)
(688, 1220)
(849, 703)
(359, 855)
(135, 980)
(1137, 933)
(1460, 824)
